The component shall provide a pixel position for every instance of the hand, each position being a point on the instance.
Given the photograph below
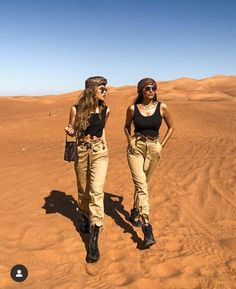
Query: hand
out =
(69, 130)
(132, 149)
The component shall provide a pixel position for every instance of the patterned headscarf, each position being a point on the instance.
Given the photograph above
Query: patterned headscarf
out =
(144, 82)
(95, 81)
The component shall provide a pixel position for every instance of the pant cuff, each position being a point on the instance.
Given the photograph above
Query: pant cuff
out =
(98, 223)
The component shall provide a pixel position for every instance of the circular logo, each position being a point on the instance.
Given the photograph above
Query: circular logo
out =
(19, 273)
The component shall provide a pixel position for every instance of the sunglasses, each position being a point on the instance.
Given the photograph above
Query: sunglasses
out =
(102, 89)
(150, 88)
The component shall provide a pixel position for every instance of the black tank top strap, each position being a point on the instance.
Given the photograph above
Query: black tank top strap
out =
(135, 108)
(159, 107)
(104, 110)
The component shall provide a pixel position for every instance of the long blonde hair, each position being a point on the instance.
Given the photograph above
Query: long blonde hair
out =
(87, 103)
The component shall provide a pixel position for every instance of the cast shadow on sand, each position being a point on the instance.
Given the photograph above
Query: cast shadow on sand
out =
(66, 205)
(113, 207)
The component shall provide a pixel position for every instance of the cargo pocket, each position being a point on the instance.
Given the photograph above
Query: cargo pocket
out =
(102, 149)
(132, 148)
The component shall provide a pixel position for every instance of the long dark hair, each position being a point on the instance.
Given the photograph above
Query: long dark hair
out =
(87, 103)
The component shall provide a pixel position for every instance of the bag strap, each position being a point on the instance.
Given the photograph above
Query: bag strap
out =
(76, 107)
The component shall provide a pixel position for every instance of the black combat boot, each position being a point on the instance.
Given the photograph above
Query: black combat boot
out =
(93, 252)
(148, 235)
(133, 215)
(85, 226)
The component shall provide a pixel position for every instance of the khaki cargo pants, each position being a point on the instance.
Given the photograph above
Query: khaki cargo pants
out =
(142, 162)
(91, 169)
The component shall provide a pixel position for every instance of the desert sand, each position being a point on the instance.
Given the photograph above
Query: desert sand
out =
(192, 195)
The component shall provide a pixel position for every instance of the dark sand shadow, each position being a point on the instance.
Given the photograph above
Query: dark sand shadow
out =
(66, 205)
(113, 207)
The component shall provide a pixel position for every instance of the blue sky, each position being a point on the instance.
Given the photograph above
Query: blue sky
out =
(52, 46)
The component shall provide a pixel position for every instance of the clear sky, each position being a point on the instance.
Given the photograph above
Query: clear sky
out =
(52, 46)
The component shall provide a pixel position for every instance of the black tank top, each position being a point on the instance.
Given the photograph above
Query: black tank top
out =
(147, 125)
(96, 124)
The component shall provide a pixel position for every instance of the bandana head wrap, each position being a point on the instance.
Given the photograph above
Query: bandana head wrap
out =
(95, 81)
(144, 82)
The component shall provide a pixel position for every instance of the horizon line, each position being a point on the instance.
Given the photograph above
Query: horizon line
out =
(111, 86)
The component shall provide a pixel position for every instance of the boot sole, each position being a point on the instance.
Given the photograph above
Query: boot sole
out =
(148, 244)
(91, 260)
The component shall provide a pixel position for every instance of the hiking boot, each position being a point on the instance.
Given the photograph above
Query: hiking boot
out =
(148, 235)
(133, 218)
(93, 252)
(85, 226)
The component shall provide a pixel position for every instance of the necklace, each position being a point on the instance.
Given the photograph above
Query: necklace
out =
(149, 106)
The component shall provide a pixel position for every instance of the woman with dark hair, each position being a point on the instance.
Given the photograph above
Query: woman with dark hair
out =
(87, 122)
(144, 149)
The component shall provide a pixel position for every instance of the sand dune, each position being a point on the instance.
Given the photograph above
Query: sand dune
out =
(192, 195)
(214, 88)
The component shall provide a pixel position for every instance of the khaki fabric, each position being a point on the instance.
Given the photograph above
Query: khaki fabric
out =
(91, 170)
(142, 162)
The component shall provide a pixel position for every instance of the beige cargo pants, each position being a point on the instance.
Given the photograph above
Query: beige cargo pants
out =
(142, 161)
(91, 169)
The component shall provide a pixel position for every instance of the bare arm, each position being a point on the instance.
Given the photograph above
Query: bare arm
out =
(103, 133)
(70, 129)
(169, 122)
(128, 121)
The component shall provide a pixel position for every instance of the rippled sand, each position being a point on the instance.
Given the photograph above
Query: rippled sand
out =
(192, 196)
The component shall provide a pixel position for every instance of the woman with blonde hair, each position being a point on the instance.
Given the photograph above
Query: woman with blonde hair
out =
(144, 149)
(87, 122)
